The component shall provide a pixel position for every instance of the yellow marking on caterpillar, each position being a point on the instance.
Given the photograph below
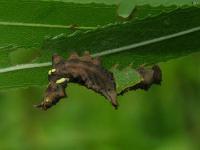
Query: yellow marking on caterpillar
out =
(62, 80)
(47, 100)
(51, 71)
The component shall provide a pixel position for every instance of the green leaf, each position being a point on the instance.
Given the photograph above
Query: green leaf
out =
(129, 33)
(148, 41)
(26, 23)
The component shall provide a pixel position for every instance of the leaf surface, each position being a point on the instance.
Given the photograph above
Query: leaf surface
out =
(105, 39)
(27, 23)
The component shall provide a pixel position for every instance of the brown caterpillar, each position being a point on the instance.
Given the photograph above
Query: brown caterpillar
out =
(86, 71)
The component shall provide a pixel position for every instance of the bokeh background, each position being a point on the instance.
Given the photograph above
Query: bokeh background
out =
(167, 117)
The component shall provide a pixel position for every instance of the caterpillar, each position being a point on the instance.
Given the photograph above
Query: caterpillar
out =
(86, 71)
(89, 72)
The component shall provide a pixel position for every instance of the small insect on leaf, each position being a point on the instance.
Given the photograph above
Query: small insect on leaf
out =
(86, 71)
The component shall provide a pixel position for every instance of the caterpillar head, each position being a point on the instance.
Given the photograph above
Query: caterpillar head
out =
(54, 92)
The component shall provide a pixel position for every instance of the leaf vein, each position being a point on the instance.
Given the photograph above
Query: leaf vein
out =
(22, 24)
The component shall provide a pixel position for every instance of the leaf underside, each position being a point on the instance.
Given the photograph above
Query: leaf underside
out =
(119, 35)
(105, 38)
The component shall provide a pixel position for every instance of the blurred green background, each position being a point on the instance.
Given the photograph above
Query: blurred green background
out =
(167, 117)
